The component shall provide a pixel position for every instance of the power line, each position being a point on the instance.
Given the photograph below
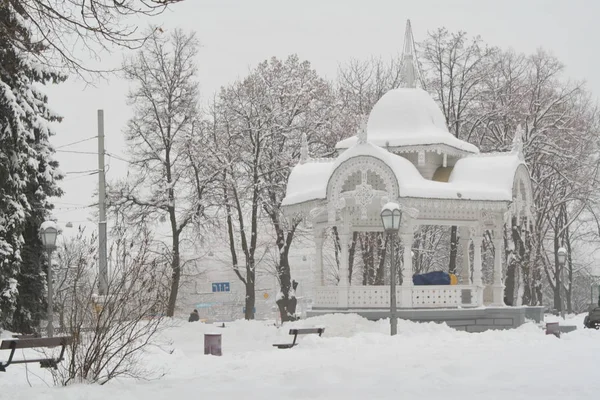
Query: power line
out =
(79, 176)
(77, 152)
(81, 172)
(77, 142)
(69, 204)
(118, 158)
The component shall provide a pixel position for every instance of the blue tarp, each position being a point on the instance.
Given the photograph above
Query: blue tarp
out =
(432, 278)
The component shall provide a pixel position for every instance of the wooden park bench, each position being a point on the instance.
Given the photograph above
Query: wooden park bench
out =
(300, 331)
(30, 343)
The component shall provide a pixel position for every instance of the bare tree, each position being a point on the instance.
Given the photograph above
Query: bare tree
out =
(262, 119)
(165, 180)
(110, 333)
(94, 25)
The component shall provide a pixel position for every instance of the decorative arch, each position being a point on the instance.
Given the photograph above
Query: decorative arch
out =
(362, 178)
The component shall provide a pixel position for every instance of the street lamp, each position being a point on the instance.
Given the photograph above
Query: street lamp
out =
(390, 217)
(561, 255)
(48, 234)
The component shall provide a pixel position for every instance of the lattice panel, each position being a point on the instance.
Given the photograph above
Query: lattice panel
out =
(326, 297)
(351, 182)
(369, 296)
(375, 181)
(438, 297)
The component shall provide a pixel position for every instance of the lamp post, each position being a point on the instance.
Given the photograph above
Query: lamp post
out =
(390, 217)
(561, 255)
(48, 234)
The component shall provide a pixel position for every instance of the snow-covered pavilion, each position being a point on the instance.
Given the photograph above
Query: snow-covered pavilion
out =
(405, 154)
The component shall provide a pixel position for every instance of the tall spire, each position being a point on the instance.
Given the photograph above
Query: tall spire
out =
(408, 58)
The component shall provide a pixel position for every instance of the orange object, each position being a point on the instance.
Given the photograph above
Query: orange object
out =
(453, 279)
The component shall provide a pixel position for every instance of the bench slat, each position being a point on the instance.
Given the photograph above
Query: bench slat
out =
(35, 342)
(304, 331)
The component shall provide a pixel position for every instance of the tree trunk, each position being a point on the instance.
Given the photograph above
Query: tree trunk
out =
(569, 293)
(382, 241)
(367, 259)
(351, 252)
(453, 250)
(287, 299)
(250, 300)
(557, 273)
(175, 276)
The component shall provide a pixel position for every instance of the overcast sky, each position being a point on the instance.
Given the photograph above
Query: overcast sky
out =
(237, 34)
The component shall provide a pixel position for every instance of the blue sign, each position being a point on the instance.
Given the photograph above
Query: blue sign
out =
(220, 287)
(253, 310)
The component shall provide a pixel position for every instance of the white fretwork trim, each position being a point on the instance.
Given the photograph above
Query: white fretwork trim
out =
(361, 164)
(451, 204)
(438, 148)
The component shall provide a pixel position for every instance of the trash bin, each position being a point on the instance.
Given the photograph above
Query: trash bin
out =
(212, 344)
(553, 328)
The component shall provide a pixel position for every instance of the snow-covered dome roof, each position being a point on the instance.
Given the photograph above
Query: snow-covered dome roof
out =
(408, 117)
(406, 111)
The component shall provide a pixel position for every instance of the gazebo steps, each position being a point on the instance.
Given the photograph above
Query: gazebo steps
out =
(464, 319)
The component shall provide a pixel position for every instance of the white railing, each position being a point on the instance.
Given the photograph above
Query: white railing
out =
(369, 296)
(443, 296)
(327, 296)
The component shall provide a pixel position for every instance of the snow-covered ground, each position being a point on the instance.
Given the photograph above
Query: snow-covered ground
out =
(355, 359)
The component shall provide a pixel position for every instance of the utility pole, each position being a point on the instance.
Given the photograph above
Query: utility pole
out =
(102, 264)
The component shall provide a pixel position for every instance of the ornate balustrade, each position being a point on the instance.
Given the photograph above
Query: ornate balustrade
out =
(443, 296)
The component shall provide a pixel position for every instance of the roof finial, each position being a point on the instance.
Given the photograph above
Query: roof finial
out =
(362, 132)
(408, 58)
(517, 145)
(304, 149)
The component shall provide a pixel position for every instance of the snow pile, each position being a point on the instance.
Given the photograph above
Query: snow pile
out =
(355, 359)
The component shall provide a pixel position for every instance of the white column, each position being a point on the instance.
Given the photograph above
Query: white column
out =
(319, 273)
(465, 244)
(477, 273)
(343, 286)
(498, 286)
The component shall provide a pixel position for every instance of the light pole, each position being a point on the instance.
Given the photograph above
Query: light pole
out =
(48, 234)
(562, 258)
(391, 216)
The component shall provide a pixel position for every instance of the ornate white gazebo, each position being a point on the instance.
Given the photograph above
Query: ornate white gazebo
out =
(406, 154)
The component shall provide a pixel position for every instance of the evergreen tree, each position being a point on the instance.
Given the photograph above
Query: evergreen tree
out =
(28, 173)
